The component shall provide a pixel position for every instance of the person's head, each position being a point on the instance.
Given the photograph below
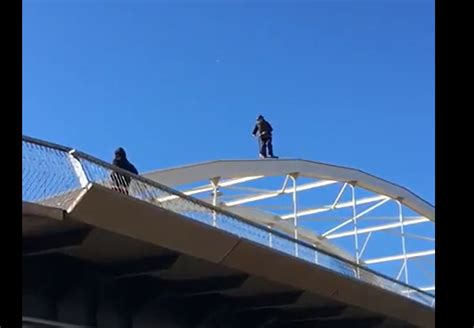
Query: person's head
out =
(260, 118)
(120, 153)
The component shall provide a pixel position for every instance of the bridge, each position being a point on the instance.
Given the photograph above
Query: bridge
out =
(220, 244)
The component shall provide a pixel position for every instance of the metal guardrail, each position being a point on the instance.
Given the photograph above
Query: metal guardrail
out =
(54, 175)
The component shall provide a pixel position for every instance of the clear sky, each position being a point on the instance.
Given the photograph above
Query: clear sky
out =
(179, 82)
(343, 82)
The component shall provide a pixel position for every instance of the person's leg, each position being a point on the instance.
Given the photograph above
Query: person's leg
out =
(270, 147)
(263, 148)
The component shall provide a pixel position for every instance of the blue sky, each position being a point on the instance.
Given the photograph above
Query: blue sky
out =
(343, 82)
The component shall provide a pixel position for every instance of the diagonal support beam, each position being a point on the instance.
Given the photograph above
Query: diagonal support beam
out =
(328, 208)
(339, 195)
(377, 228)
(208, 188)
(277, 193)
(373, 207)
(54, 242)
(400, 257)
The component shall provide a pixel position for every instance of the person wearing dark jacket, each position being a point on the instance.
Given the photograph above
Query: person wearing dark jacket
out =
(122, 182)
(264, 130)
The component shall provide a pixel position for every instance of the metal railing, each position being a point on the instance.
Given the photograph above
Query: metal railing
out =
(54, 175)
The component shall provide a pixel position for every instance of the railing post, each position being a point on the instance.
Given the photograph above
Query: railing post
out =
(356, 234)
(315, 254)
(78, 169)
(270, 236)
(293, 177)
(402, 231)
(215, 190)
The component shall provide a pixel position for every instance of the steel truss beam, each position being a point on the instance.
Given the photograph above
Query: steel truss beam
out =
(328, 208)
(373, 207)
(399, 257)
(289, 190)
(210, 187)
(377, 228)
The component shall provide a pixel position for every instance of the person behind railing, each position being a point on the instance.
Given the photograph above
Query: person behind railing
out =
(264, 131)
(122, 182)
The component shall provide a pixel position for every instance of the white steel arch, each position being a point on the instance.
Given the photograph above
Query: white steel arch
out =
(218, 176)
(224, 169)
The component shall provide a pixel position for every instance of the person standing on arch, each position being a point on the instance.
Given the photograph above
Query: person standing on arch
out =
(263, 130)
